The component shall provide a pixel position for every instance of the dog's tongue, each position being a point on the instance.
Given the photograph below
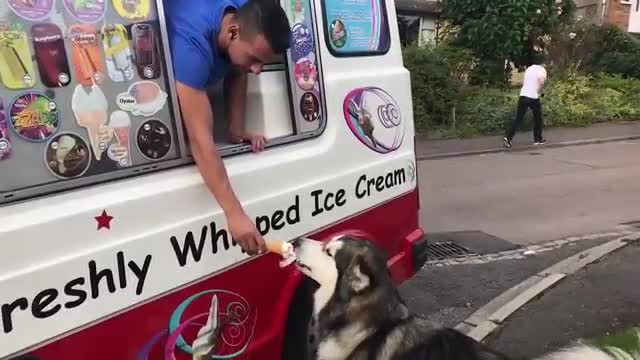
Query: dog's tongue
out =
(283, 249)
(288, 256)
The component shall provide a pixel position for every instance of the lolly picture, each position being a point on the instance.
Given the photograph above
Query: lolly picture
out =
(16, 67)
(86, 54)
(34, 116)
(48, 44)
(67, 155)
(117, 51)
(145, 50)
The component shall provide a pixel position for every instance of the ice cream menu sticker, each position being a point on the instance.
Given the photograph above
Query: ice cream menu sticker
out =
(31, 10)
(16, 67)
(5, 144)
(34, 117)
(89, 11)
(357, 26)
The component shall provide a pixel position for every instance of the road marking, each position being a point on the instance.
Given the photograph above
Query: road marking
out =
(489, 317)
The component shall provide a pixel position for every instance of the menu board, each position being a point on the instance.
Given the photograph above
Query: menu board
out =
(357, 26)
(304, 72)
(84, 91)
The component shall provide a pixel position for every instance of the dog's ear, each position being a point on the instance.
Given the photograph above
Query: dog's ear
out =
(359, 274)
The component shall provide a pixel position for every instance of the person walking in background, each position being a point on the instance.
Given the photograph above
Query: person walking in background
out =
(534, 78)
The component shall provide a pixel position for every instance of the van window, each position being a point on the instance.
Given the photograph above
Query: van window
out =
(356, 27)
(107, 109)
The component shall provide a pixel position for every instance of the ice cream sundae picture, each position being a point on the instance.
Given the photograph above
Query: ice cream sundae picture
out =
(306, 74)
(310, 107)
(67, 155)
(153, 139)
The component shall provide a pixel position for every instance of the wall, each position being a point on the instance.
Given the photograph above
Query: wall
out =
(634, 17)
(618, 13)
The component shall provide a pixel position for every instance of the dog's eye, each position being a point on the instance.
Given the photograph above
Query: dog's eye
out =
(326, 250)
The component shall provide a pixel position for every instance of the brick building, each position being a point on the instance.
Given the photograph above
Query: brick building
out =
(622, 13)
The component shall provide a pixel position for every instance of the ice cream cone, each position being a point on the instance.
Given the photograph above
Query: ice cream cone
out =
(278, 247)
(90, 109)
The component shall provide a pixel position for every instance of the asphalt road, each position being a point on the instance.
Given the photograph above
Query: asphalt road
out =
(529, 197)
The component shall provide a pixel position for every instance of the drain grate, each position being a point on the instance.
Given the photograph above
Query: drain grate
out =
(446, 250)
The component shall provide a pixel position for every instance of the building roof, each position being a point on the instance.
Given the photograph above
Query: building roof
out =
(419, 6)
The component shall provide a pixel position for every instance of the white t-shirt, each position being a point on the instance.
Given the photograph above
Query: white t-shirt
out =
(534, 78)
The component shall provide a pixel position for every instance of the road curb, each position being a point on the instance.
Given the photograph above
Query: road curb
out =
(526, 148)
(488, 318)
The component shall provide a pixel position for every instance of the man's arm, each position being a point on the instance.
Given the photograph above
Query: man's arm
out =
(198, 118)
(235, 93)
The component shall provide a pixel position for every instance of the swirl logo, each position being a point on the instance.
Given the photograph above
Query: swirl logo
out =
(224, 332)
(374, 118)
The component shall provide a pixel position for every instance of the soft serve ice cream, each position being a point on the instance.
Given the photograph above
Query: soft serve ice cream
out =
(89, 105)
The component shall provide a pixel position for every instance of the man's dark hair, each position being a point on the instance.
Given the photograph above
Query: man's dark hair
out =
(536, 59)
(265, 17)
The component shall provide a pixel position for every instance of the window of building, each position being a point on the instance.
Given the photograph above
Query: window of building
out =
(409, 29)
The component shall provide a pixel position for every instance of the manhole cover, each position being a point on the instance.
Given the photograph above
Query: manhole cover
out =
(446, 250)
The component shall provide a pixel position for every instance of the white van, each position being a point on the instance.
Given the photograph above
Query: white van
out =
(111, 246)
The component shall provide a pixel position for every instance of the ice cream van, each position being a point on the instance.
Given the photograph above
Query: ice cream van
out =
(111, 246)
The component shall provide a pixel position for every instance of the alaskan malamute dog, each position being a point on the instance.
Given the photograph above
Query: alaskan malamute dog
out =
(358, 313)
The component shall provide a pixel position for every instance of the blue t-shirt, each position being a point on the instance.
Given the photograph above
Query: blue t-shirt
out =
(193, 27)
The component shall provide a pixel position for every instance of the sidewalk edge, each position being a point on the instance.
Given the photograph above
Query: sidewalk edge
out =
(488, 318)
(526, 148)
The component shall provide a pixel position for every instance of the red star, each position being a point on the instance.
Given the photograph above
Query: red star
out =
(104, 220)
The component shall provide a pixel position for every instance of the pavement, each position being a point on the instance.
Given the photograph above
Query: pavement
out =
(532, 196)
(431, 149)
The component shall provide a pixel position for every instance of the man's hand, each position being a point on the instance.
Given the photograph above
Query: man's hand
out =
(244, 232)
(235, 87)
(257, 141)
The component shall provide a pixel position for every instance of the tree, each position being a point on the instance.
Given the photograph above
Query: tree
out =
(505, 30)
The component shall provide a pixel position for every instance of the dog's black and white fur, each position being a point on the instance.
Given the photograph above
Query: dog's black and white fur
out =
(358, 313)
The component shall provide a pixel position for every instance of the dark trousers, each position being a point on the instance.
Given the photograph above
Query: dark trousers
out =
(525, 103)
